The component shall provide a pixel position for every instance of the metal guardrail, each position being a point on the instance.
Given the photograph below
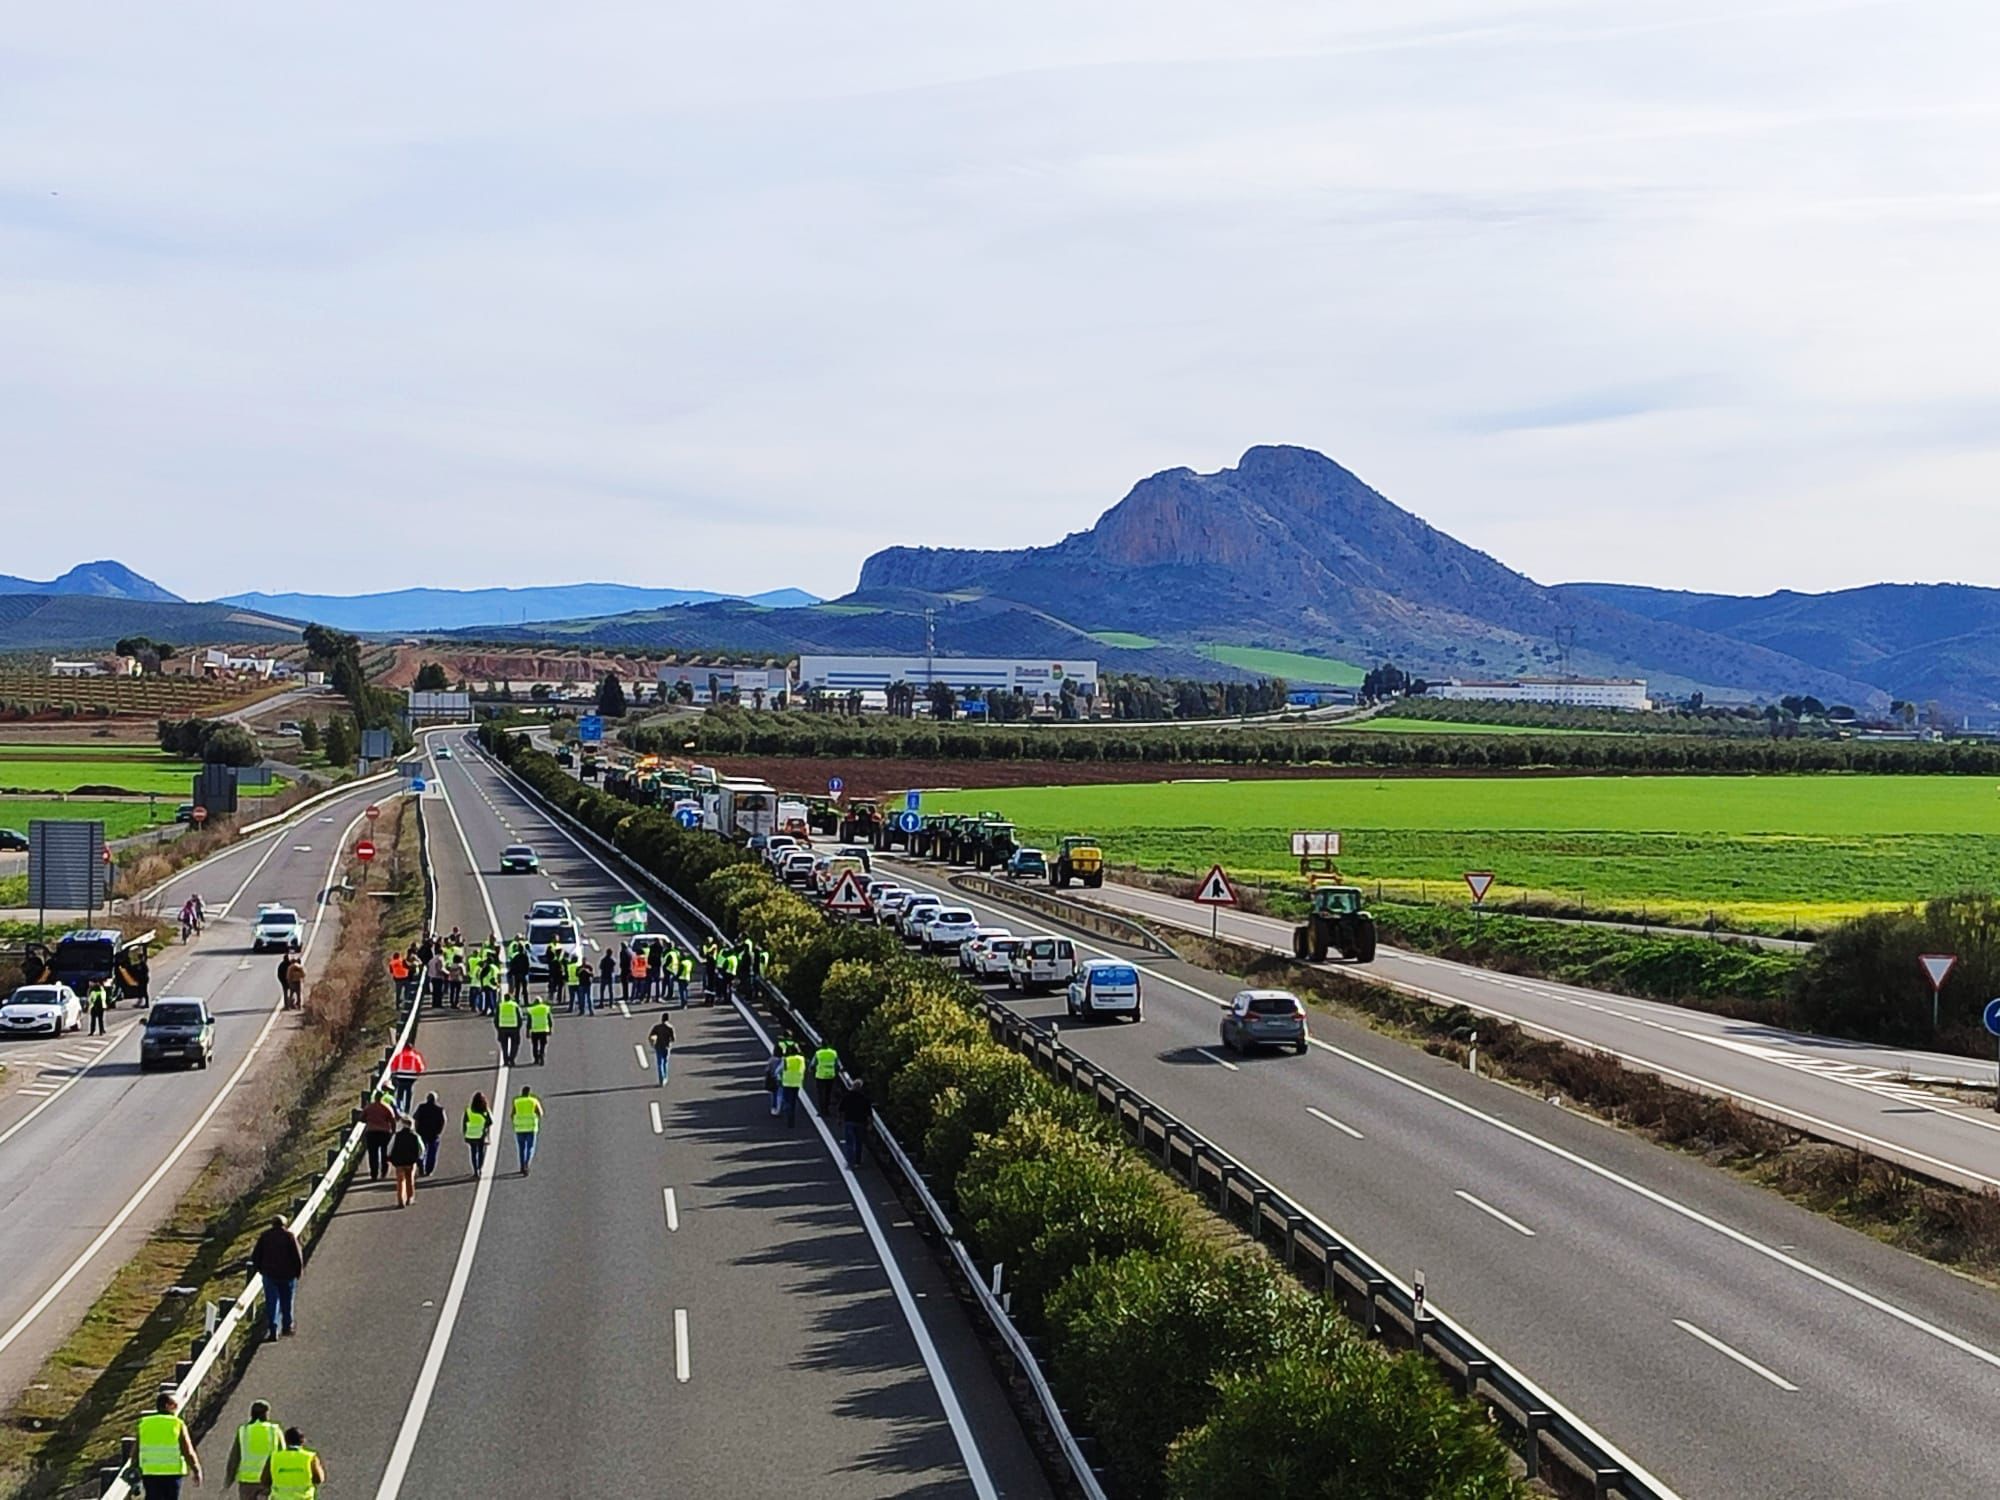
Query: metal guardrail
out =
(995, 1314)
(1091, 919)
(1320, 1256)
(211, 1350)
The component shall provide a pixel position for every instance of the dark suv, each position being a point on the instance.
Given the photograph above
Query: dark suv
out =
(177, 1031)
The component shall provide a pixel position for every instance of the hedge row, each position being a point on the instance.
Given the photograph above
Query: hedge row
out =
(1201, 1369)
(735, 732)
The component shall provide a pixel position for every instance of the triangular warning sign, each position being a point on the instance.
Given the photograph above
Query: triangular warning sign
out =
(1937, 966)
(1216, 890)
(1480, 881)
(847, 894)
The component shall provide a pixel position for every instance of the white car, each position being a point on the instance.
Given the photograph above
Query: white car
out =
(53, 1008)
(555, 910)
(559, 934)
(1104, 987)
(946, 928)
(857, 851)
(276, 927)
(798, 867)
(971, 948)
(777, 847)
(889, 902)
(993, 956)
(916, 911)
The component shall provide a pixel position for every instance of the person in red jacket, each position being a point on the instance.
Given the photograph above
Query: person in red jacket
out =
(405, 1068)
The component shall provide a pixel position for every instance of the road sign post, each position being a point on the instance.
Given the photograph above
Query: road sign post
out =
(835, 786)
(1937, 967)
(374, 812)
(848, 898)
(687, 817)
(364, 850)
(913, 801)
(1216, 892)
(199, 816)
(1479, 882)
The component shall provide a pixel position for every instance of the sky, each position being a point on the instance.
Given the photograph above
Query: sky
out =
(344, 297)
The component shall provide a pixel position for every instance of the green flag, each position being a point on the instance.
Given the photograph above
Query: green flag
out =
(630, 918)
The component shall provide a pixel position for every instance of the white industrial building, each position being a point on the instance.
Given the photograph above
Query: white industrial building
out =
(747, 683)
(1569, 692)
(989, 674)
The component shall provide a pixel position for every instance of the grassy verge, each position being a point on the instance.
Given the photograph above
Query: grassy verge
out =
(279, 1126)
(1955, 1227)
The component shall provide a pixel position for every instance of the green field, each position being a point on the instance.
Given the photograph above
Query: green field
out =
(1293, 666)
(120, 818)
(1388, 724)
(1123, 640)
(64, 768)
(1759, 851)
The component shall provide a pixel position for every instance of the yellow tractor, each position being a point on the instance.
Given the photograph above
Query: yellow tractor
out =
(1077, 857)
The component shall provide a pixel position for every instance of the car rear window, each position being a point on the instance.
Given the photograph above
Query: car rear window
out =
(1116, 974)
(168, 1014)
(944, 915)
(1273, 1005)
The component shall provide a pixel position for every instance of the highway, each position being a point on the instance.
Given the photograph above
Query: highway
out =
(1850, 1092)
(1729, 1342)
(93, 1153)
(682, 1297)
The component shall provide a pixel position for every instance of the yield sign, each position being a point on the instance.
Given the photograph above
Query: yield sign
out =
(1481, 881)
(847, 894)
(1216, 890)
(1936, 966)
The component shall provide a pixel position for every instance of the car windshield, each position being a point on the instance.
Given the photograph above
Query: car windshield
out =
(34, 994)
(514, 849)
(167, 1013)
(1273, 1005)
(551, 932)
(281, 914)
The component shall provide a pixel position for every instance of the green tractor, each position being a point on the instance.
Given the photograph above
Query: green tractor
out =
(1337, 923)
(992, 844)
(861, 823)
(963, 848)
(931, 839)
(1077, 857)
(823, 815)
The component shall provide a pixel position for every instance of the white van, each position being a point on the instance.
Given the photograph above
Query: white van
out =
(1039, 964)
(1104, 987)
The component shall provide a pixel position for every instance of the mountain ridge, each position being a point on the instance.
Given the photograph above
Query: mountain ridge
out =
(105, 578)
(426, 609)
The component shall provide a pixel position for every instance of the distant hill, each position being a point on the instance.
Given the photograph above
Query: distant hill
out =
(104, 579)
(1290, 551)
(85, 622)
(459, 609)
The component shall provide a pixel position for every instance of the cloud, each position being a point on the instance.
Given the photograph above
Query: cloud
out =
(729, 296)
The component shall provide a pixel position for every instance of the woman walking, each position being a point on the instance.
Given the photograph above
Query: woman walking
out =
(478, 1128)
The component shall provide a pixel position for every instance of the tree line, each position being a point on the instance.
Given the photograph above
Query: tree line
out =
(215, 741)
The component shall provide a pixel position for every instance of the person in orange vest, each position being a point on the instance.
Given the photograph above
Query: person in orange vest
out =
(405, 1068)
(399, 970)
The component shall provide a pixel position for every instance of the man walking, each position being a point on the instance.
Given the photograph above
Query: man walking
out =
(518, 965)
(662, 1038)
(406, 1153)
(405, 1068)
(541, 1022)
(507, 1026)
(791, 1078)
(278, 1259)
(429, 1120)
(854, 1108)
(378, 1124)
(256, 1440)
(527, 1125)
(166, 1450)
(826, 1069)
(294, 1472)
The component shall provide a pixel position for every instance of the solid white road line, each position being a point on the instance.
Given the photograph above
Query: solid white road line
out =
(1486, 1208)
(681, 1345)
(626, 1011)
(461, 1273)
(961, 1430)
(640, 1053)
(1216, 1057)
(1742, 1359)
(1326, 1119)
(144, 1190)
(673, 1211)
(658, 1127)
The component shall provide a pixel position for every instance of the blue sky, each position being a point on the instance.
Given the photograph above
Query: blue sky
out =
(345, 297)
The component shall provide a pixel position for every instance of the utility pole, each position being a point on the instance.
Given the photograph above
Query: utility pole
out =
(930, 648)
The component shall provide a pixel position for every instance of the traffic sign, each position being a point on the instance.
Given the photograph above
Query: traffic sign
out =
(687, 817)
(909, 822)
(1937, 966)
(364, 851)
(835, 786)
(590, 729)
(374, 812)
(1992, 1016)
(416, 783)
(106, 856)
(847, 894)
(1216, 889)
(912, 801)
(200, 816)
(1480, 882)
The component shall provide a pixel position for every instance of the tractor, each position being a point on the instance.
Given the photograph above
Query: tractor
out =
(862, 823)
(963, 848)
(823, 815)
(1077, 857)
(991, 843)
(1338, 922)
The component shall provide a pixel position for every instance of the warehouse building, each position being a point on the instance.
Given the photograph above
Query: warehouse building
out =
(989, 674)
(1570, 692)
(751, 686)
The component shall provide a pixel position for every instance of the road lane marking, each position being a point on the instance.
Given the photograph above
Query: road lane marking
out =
(673, 1211)
(640, 1053)
(1324, 1118)
(658, 1127)
(1486, 1208)
(1216, 1057)
(681, 1345)
(1742, 1359)
(624, 1010)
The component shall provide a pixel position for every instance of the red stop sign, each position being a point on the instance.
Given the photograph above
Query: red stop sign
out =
(364, 851)
(200, 815)
(374, 812)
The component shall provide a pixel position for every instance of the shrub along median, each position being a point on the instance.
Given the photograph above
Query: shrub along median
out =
(1199, 1367)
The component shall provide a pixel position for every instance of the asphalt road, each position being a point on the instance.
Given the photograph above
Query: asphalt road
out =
(1730, 1343)
(698, 1303)
(93, 1153)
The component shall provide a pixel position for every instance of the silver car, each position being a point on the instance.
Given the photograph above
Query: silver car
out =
(1264, 1018)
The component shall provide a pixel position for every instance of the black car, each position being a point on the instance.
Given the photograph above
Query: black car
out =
(519, 859)
(11, 840)
(177, 1031)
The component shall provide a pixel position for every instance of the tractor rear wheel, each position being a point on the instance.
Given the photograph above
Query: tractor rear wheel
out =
(1299, 943)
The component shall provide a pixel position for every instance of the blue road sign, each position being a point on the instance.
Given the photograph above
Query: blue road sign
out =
(835, 785)
(1993, 1016)
(590, 729)
(913, 800)
(687, 817)
(416, 783)
(909, 822)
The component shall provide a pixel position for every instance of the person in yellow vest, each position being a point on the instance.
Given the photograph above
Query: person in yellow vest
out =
(826, 1068)
(478, 1127)
(294, 1472)
(507, 1026)
(791, 1078)
(166, 1450)
(541, 1023)
(256, 1440)
(527, 1125)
